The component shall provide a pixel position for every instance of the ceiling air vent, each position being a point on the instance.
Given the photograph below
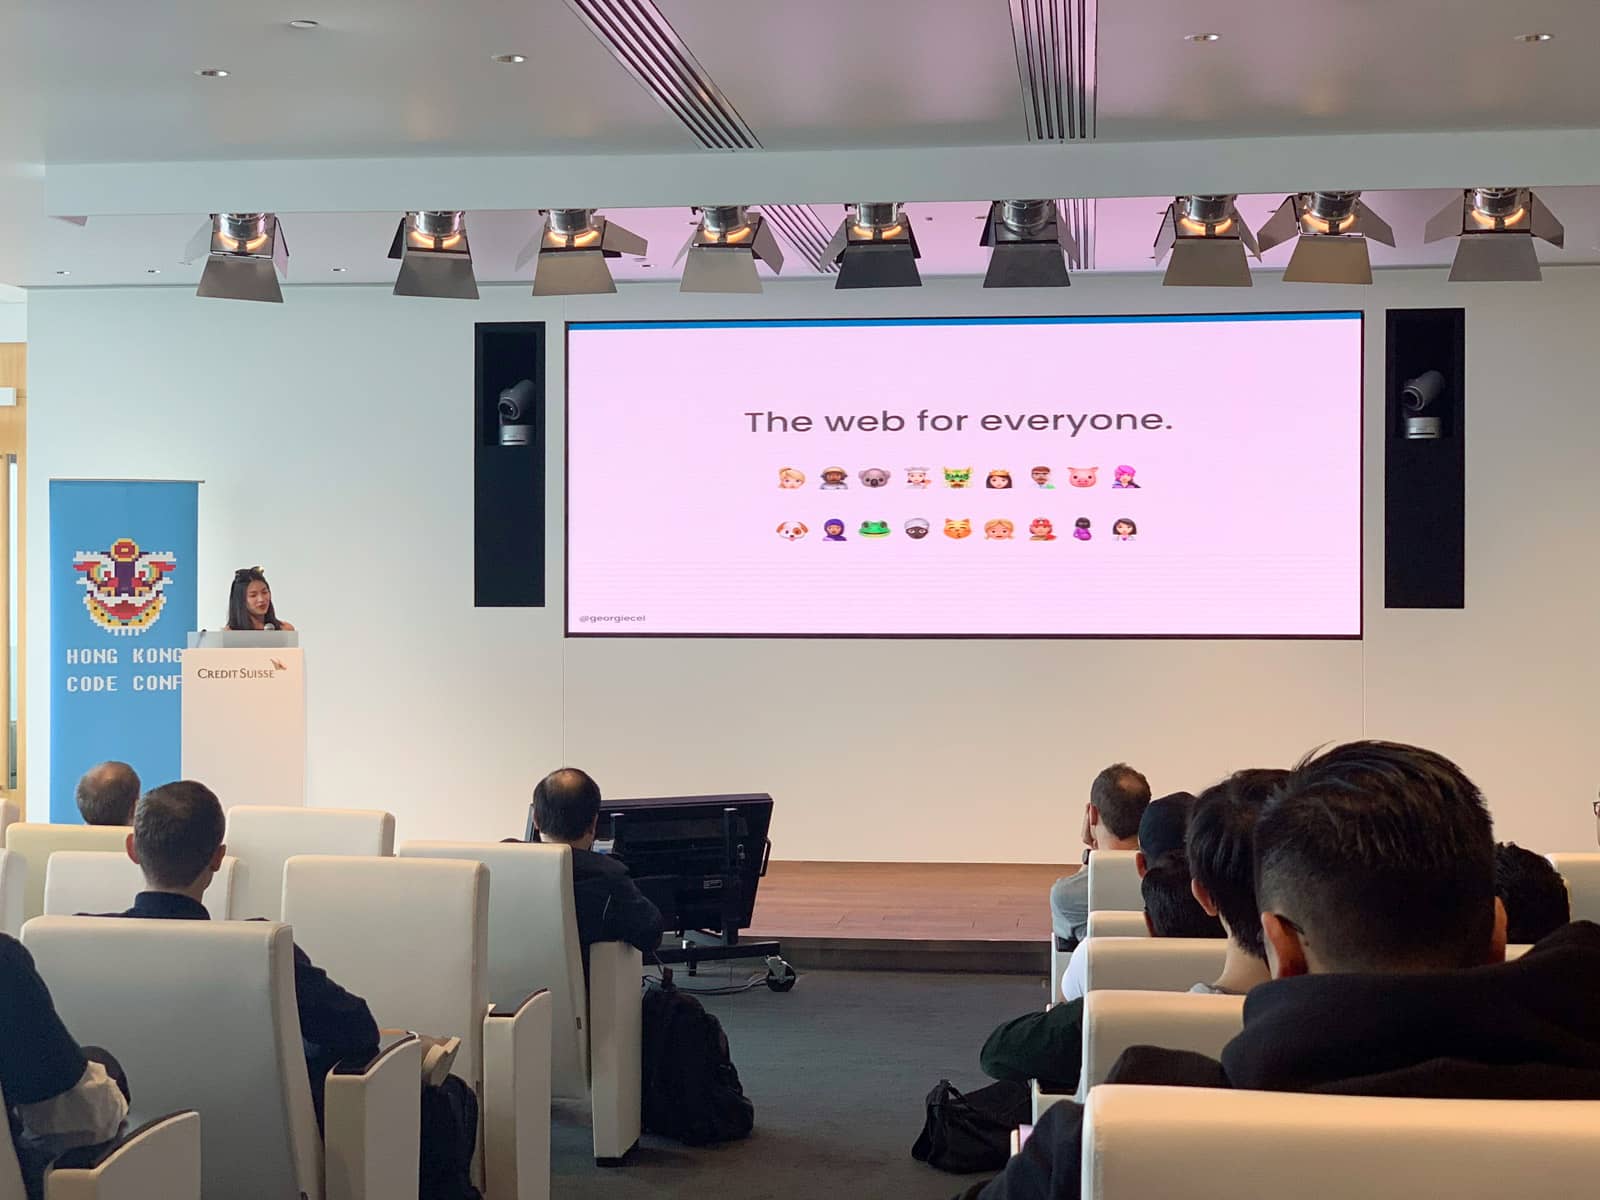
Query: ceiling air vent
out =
(1055, 42)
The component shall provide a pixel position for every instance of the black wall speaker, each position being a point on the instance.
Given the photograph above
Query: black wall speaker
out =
(1424, 459)
(508, 466)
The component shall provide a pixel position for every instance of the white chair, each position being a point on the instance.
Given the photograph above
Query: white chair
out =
(1219, 1145)
(1114, 1021)
(264, 837)
(13, 891)
(1114, 880)
(1582, 875)
(159, 1160)
(36, 843)
(533, 944)
(84, 881)
(1153, 964)
(409, 935)
(202, 1014)
(1116, 922)
(1516, 950)
(10, 814)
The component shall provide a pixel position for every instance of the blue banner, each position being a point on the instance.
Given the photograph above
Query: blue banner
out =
(122, 602)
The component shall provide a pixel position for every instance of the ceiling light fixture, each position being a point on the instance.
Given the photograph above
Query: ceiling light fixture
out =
(1202, 38)
(212, 73)
(152, 270)
(435, 258)
(1534, 38)
(63, 272)
(572, 249)
(1494, 230)
(245, 255)
(723, 251)
(874, 247)
(508, 58)
(1208, 240)
(1330, 231)
(1031, 245)
(338, 270)
(304, 23)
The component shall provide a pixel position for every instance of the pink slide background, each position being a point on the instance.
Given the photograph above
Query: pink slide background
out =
(1249, 509)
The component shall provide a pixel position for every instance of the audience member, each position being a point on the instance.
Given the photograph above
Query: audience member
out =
(1375, 881)
(1117, 800)
(1163, 827)
(1221, 847)
(1048, 1046)
(107, 793)
(58, 1095)
(1533, 892)
(566, 809)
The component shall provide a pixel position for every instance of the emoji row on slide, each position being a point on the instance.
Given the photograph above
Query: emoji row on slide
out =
(1040, 529)
(837, 479)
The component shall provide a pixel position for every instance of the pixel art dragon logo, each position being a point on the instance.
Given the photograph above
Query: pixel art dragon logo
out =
(124, 587)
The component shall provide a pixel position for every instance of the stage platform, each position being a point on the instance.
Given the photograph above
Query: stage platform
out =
(989, 917)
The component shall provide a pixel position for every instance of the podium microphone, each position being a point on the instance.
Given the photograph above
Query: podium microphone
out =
(517, 413)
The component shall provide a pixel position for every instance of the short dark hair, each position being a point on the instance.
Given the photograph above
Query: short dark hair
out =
(1382, 854)
(1221, 849)
(565, 804)
(107, 793)
(1533, 892)
(1163, 826)
(1120, 793)
(1171, 906)
(177, 827)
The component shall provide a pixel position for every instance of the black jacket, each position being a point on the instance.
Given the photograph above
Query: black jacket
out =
(38, 1058)
(611, 908)
(1525, 1030)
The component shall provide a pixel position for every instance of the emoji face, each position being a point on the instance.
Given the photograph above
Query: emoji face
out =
(1081, 529)
(999, 478)
(788, 477)
(1082, 476)
(792, 531)
(1124, 478)
(999, 530)
(917, 477)
(954, 528)
(833, 530)
(874, 477)
(874, 529)
(1041, 477)
(917, 528)
(833, 479)
(958, 477)
(1124, 530)
(1040, 530)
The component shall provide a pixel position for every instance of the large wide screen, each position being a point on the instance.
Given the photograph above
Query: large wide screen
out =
(1174, 476)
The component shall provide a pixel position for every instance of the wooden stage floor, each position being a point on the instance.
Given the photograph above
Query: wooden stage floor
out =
(915, 916)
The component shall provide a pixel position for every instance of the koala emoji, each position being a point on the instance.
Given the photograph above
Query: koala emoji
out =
(1082, 476)
(792, 531)
(957, 528)
(874, 477)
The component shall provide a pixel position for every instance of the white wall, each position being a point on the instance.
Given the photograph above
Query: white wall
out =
(334, 434)
(13, 319)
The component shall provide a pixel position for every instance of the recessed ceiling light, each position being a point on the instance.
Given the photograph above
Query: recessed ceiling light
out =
(152, 270)
(340, 270)
(1534, 37)
(212, 73)
(645, 265)
(1202, 37)
(63, 272)
(509, 58)
(303, 23)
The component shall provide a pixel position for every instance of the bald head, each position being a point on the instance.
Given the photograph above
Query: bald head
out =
(566, 804)
(107, 793)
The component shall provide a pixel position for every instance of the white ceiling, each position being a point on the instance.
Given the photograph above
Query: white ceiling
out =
(104, 97)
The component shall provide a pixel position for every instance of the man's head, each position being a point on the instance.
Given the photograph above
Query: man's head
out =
(1170, 909)
(1221, 849)
(1374, 857)
(566, 805)
(1163, 827)
(107, 793)
(1117, 800)
(1533, 892)
(177, 837)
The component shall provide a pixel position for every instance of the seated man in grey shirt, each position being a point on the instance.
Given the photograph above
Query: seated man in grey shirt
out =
(1117, 800)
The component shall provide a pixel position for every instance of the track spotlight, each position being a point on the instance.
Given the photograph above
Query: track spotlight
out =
(245, 254)
(1208, 240)
(725, 248)
(435, 259)
(875, 248)
(572, 249)
(1031, 245)
(1495, 228)
(1330, 231)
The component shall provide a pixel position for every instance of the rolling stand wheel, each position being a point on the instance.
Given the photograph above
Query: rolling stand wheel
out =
(780, 975)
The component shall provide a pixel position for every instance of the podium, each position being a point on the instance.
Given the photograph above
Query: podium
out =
(244, 718)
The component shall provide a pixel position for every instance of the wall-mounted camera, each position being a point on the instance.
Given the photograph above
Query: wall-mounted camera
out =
(517, 408)
(1422, 405)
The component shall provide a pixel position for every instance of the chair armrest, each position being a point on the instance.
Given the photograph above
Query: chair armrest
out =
(372, 1120)
(616, 1046)
(160, 1158)
(1043, 1099)
(516, 1100)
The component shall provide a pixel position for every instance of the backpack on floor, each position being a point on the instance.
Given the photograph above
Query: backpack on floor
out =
(449, 1115)
(691, 1089)
(966, 1133)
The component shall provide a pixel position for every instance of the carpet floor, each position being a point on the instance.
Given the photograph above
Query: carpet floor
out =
(837, 1070)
